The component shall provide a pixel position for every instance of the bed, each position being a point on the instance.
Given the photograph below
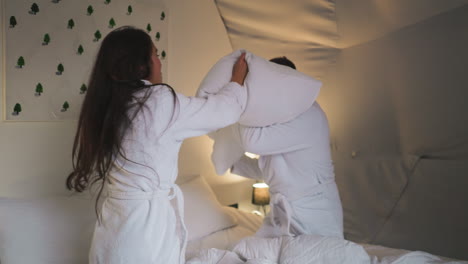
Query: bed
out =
(58, 229)
(249, 222)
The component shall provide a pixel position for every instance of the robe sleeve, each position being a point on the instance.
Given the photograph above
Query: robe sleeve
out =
(196, 116)
(280, 138)
(247, 167)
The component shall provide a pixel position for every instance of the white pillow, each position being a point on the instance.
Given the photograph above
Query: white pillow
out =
(46, 231)
(203, 213)
(276, 93)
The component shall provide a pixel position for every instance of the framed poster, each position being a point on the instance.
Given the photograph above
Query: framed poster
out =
(49, 47)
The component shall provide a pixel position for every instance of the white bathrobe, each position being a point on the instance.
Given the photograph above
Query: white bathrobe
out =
(295, 161)
(142, 215)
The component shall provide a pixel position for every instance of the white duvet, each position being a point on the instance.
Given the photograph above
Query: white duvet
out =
(305, 249)
(286, 249)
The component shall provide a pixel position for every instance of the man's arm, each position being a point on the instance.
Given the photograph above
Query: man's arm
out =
(296, 134)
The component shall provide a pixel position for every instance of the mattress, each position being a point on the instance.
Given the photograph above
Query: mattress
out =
(248, 223)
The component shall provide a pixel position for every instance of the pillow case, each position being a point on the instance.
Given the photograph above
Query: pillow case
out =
(203, 214)
(276, 93)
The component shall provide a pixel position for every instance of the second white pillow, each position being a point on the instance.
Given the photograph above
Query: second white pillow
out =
(276, 93)
(203, 214)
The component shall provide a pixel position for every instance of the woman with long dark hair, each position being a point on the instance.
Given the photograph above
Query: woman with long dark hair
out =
(129, 133)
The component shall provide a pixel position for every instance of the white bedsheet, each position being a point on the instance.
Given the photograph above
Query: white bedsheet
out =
(227, 238)
(233, 245)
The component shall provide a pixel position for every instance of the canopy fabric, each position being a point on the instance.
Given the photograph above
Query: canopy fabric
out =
(274, 28)
(395, 85)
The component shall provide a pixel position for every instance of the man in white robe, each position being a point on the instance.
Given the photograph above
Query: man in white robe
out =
(295, 161)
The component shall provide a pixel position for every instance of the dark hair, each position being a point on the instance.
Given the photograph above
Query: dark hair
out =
(123, 60)
(283, 61)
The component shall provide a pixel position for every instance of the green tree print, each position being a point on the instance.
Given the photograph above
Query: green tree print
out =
(65, 106)
(97, 35)
(34, 9)
(46, 39)
(163, 15)
(20, 62)
(80, 50)
(163, 54)
(60, 69)
(39, 89)
(13, 22)
(17, 109)
(129, 10)
(107, 2)
(158, 36)
(71, 24)
(83, 88)
(111, 23)
(148, 28)
(90, 10)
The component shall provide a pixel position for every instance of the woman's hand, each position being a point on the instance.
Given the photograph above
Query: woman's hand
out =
(240, 70)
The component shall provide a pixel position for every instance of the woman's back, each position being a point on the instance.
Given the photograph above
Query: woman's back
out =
(137, 212)
(128, 139)
(148, 147)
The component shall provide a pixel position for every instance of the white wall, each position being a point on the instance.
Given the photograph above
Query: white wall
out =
(35, 157)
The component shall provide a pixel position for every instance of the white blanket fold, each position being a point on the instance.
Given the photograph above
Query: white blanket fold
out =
(308, 249)
(304, 249)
